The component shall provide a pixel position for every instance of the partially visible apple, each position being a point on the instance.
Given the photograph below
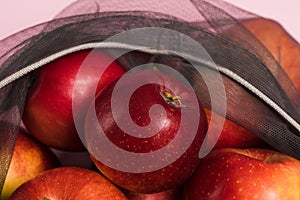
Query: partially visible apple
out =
(286, 51)
(68, 183)
(230, 173)
(180, 116)
(173, 194)
(232, 135)
(48, 108)
(284, 48)
(29, 159)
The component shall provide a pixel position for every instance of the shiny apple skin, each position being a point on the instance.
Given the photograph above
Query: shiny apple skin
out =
(169, 176)
(68, 183)
(29, 159)
(253, 173)
(48, 108)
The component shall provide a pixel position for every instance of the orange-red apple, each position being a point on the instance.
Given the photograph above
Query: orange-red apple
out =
(280, 43)
(286, 51)
(29, 159)
(229, 173)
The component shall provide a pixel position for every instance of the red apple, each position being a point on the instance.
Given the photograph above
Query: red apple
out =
(68, 183)
(230, 173)
(29, 159)
(173, 194)
(48, 108)
(233, 135)
(150, 138)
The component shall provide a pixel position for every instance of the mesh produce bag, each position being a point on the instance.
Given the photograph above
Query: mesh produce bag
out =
(259, 95)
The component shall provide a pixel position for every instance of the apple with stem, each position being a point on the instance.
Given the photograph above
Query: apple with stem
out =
(254, 173)
(144, 131)
(48, 108)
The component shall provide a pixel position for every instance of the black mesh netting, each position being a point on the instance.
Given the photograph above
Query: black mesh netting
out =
(206, 21)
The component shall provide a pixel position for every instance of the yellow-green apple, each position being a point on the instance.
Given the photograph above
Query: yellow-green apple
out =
(173, 194)
(148, 140)
(229, 173)
(48, 108)
(28, 160)
(68, 183)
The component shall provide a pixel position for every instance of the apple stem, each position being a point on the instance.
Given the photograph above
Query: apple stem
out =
(171, 99)
(155, 68)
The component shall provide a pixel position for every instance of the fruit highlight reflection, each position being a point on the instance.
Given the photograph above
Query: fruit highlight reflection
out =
(143, 137)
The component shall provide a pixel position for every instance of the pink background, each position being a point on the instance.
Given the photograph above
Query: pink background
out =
(17, 15)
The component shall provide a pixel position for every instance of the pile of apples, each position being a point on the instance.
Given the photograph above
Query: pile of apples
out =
(241, 166)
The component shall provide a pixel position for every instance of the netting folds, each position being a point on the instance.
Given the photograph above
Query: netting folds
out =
(257, 97)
